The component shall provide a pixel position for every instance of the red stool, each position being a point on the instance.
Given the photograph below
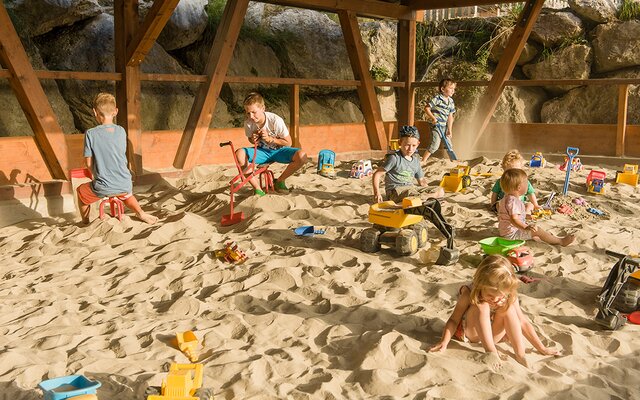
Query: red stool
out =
(267, 179)
(115, 204)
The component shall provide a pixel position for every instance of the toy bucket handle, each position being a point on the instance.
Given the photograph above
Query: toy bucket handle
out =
(572, 151)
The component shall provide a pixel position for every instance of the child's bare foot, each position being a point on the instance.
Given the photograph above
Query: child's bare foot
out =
(148, 218)
(492, 359)
(567, 240)
(523, 361)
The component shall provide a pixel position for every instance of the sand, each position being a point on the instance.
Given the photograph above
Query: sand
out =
(310, 317)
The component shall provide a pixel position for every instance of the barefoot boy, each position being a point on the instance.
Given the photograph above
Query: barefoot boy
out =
(440, 111)
(105, 152)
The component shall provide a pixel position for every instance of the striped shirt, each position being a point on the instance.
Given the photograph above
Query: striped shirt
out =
(442, 107)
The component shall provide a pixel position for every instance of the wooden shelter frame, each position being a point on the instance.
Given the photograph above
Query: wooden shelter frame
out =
(134, 40)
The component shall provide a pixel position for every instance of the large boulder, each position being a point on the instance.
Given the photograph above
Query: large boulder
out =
(499, 43)
(598, 11)
(594, 104)
(380, 40)
(554, 28)
(572, 62)
(13, 121)
(616, 45)
(187, 23)
(41, 16)
(520, 104)
(90, 47)
(440, 44)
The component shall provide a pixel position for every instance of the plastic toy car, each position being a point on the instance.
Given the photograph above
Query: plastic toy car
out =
(328, 171)
(360, 169)
(184, 382)
(326, 163)
(595, 182)
(628, 175)
(231, 253)
(537, 161)
(620, 292)
(576, 165)
(595, 211)
(521, 258)
(456, 179)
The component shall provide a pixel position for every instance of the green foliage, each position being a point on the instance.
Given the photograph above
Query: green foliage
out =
(379, 73)
(629, 10)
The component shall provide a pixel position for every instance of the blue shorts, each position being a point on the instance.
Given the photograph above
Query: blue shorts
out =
(283, 155)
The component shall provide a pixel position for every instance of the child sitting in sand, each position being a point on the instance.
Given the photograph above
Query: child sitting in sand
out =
(488, 311)
(400, 170)
(105, 152)
(513, 159)
(511, 212)
(274, 143)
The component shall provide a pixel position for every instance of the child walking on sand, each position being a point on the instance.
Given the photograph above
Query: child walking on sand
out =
(401, 169)
(440, 111)
(105, 152)
(488, 311)
(513, 159)
(511, 212)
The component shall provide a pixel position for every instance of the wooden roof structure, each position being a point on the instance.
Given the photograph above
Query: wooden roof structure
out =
(134, 40)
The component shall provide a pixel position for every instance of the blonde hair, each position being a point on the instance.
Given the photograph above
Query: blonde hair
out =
(253, 98)
(105, 104)
(510, 158)
(512, 179)
(495, 272)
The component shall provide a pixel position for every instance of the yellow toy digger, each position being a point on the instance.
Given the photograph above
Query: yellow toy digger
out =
(456, 179)
(403, 226)
(183, 382)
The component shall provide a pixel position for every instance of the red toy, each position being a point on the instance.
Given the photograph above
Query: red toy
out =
(595, 181)
(521, 258)
(265, 176)
(231, 253)
(565, 209)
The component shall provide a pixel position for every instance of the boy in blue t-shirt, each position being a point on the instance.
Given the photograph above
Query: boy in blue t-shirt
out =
(401, 169)
(105, 152)
(440, 111)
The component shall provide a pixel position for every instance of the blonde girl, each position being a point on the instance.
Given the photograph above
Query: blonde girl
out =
(488, 311)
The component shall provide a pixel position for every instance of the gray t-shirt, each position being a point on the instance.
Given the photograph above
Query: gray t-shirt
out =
(400, 171)
(107, 145)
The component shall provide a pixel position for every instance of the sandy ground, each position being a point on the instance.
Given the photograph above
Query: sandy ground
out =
(307, 317)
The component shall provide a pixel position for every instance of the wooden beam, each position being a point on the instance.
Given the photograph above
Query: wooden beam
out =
(364, 8)
(439, 4)
(294, 109)
(146, 36)
(406, 71)
(204, 105)
(32, 99)
(623, 105)
(507, 62)
(128, 90)
(366, 90)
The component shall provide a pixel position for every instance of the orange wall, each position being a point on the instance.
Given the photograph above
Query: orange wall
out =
(21, 161)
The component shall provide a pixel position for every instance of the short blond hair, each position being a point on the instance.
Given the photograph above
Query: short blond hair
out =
(495, 272)
(510, 158)
(512, 179)
(253, 98)
(105, 104)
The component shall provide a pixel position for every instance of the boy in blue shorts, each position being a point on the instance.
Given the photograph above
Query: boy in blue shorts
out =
(440, 111)
(274, 143)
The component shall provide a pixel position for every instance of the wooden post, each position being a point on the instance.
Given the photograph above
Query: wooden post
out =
(623, 106)
(406, 71)
(204, 105)
(366, 90)
(128, 89)
(145, 37)
(507, 62)
(31, 96)
(294, 109)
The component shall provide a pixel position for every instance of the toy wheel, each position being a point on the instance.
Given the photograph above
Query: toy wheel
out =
(406, 242)
(627, 299)
(466, 181)
(204, 394)
(370, 240)
(421, 231)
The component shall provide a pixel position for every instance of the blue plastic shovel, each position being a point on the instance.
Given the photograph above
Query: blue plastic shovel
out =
(571, 152)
